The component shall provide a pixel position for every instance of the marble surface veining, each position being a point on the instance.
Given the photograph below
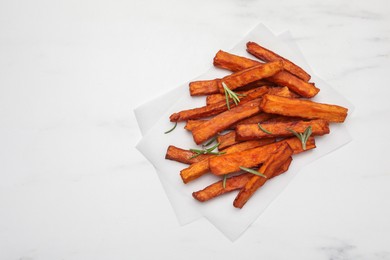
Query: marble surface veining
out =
(74, 187)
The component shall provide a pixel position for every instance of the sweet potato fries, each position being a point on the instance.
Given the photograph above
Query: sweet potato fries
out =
(254, 121)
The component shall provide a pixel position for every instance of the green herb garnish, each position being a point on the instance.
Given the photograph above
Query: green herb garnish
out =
(252, 171)
(303, 137)
(262, 129)
(224, 181)
(170, 130)
(210, 142)
(205, 151)
(230, 94)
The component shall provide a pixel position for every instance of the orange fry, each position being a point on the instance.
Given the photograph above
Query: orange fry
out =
(222, 121)
(280, 129)
(232, 183)
(227, 140)
(299, 86)
(282, 92)
(233, 62)
(217, 108)
(217, 189)
(269, 169)
(249, 75)
(204, 87)
(267, 56)
(191, 124)
(261, 117)
(229, 163)
(242, 146)
(283, 78)
(303, 108)
(184, 156)
(198, 169)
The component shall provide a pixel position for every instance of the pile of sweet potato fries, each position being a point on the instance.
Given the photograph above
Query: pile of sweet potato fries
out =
(254, 121)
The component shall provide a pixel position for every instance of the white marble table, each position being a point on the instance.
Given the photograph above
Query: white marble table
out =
(74, 187)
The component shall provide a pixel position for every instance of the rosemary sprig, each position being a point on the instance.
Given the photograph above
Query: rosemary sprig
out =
(170, 130)
(224, 181)
(205, 151)
(230, 94)
(210, 142)
(303, 137)
(252, 171)
(264, 130)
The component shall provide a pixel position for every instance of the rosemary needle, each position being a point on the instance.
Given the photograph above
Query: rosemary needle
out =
(170, 130)
(303, 137)
(224, 181)
(264, 130)
(252, 171)
(205, 151)
(230, 94)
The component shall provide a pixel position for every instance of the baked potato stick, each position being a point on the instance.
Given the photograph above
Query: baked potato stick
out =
(191, 124)
(247, 145)
(269, 169)
(249, 75)
(229, 163)
(184, 156)
(267, 56)
(228, 61)
(279, 91)
(283, 78)
(222, 121)
(227, 140)
(216, 189)
(217, 108)
(198, 169)
(204, 87)
(232, 183)
(295, 84)
(303, 108)
(280, 129)
(261, 117)
(217, 98)
(282, 91)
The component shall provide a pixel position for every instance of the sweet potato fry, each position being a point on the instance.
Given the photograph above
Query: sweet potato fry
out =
(278, 91)
(184, 156)
(258, 118)
(217, 98)
(303, 108)
(222, 121)
(204, 87)
(249, 75)
(195, 170)
(267, 56)
(227, 140)
(280, 129)
(233, 62)
(191, 124)
(261, 117)
(217, 189)
(229, 163)
(246, 145)
(282, 92)
(269, 168)
(295, 84)
(232, 183)
(283, 78)
(198, 169)
(217, 108)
